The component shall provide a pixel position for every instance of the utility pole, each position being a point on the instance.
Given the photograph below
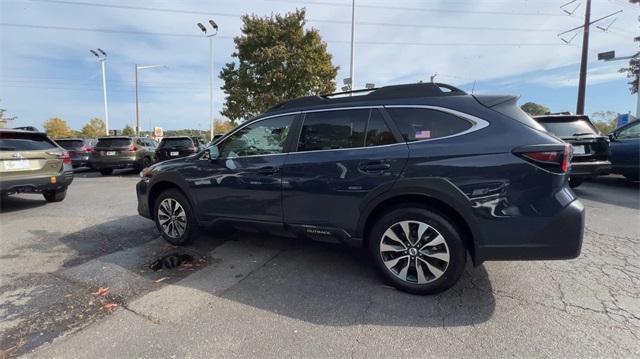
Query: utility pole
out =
(102, 57)
(582, 83)
(353, 29)
(137, 105)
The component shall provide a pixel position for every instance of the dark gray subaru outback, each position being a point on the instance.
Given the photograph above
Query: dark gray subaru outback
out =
(421, 175)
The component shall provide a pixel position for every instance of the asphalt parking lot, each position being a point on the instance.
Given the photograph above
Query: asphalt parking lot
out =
(247, 294)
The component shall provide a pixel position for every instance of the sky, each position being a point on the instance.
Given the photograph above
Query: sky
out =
(484, 46)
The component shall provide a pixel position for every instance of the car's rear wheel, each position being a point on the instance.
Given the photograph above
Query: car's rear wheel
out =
(54, 195)
(174, 217)
(146, 162)
(106, 171)
(575, 181)
(417, 250)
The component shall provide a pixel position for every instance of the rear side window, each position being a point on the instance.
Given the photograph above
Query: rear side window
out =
(418, 124)
(378, 133)
(25, 142)
(329, 130)
(70, 144)
(510, 109)
(113, 142)
(176, 142)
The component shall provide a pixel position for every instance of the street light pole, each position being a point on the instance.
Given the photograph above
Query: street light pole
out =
(582, 82)
(139, 67)
(202, 28)
(102, 57)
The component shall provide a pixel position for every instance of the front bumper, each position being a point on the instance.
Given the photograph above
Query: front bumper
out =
(38, 184)
(143, 199)
(559, 238)
(590, 169)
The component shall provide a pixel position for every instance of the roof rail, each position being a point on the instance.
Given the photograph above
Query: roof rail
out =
(422, 89)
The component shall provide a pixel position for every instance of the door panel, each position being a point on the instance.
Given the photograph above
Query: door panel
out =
(625, 150)
(326, 187)
(245, 181)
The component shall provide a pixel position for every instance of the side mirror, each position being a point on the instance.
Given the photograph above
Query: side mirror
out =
(613, 136)
(213, 152)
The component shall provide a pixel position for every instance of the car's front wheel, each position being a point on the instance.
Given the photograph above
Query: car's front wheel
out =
(417, 250)
(54, 195)
(174, 217)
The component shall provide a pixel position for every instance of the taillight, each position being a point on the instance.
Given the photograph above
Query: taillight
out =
(87, 149)
(553, 160)
(65, 157)
(133, 147)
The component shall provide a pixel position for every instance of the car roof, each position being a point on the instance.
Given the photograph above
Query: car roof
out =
(13, 130)
(120, 137)
(368, 96)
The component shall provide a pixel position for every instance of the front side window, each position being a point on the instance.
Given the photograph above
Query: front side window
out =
(261, 138)
(418, 124)
(630, 132)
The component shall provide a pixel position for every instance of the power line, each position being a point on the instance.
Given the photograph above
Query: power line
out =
(148, 33)
(345, 22)
(419, 9)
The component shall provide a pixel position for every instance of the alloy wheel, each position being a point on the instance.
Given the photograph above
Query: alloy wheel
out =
(172, 218)
(414, 251)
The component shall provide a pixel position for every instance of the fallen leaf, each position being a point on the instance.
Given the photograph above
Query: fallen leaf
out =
(109, 306)
(67, 295)
(162, 279)
(102, 291)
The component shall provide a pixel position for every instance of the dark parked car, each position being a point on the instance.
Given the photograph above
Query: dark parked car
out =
(178, 146)
(30, 162)
(122, 152)
(625, 150)
(590, 147)
(421, 175)
(79, 149)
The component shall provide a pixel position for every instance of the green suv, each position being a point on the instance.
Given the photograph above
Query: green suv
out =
(30, 162)
(122, 152)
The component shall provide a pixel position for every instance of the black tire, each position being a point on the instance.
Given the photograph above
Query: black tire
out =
(106, 171)
(575, 181)
(451, 236)
(54, 195)
(146, 162)
(190, 224)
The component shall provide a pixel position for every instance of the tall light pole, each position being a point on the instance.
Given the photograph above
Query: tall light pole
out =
(611, 56)
(210, 36)
(353, 30)
(137, 68)
(102, 58)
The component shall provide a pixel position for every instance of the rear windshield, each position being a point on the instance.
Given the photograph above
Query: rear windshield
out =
(25, 142)
(69, 144)
(176, 142)
(113, 142)
(577, 127)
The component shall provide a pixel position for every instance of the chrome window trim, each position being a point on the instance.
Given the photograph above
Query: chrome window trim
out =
(476, 122)
(350, 148)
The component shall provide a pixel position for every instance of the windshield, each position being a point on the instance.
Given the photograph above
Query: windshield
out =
(575, 128)
(113, 142)
(70, 144)
(176, 142)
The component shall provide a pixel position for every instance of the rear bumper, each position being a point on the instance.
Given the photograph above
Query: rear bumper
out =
(79, 161)
(560, 238)
(590, 169)
(37, 185)
(113, 164)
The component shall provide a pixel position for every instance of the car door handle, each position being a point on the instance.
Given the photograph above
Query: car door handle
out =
(374, 166)
(268, 170)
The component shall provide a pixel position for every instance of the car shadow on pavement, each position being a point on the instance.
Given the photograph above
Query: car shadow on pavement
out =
(15, 203)
(332, 285)
(613, 190)
(84, 172)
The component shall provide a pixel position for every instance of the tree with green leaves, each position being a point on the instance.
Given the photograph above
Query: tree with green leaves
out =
(605, 121)
(57, 128)
(94, 128)
(128, 131)
(4, 121)
(276, 59)
(534, 109)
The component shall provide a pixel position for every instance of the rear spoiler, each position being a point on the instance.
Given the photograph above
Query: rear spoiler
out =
(495, 100)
